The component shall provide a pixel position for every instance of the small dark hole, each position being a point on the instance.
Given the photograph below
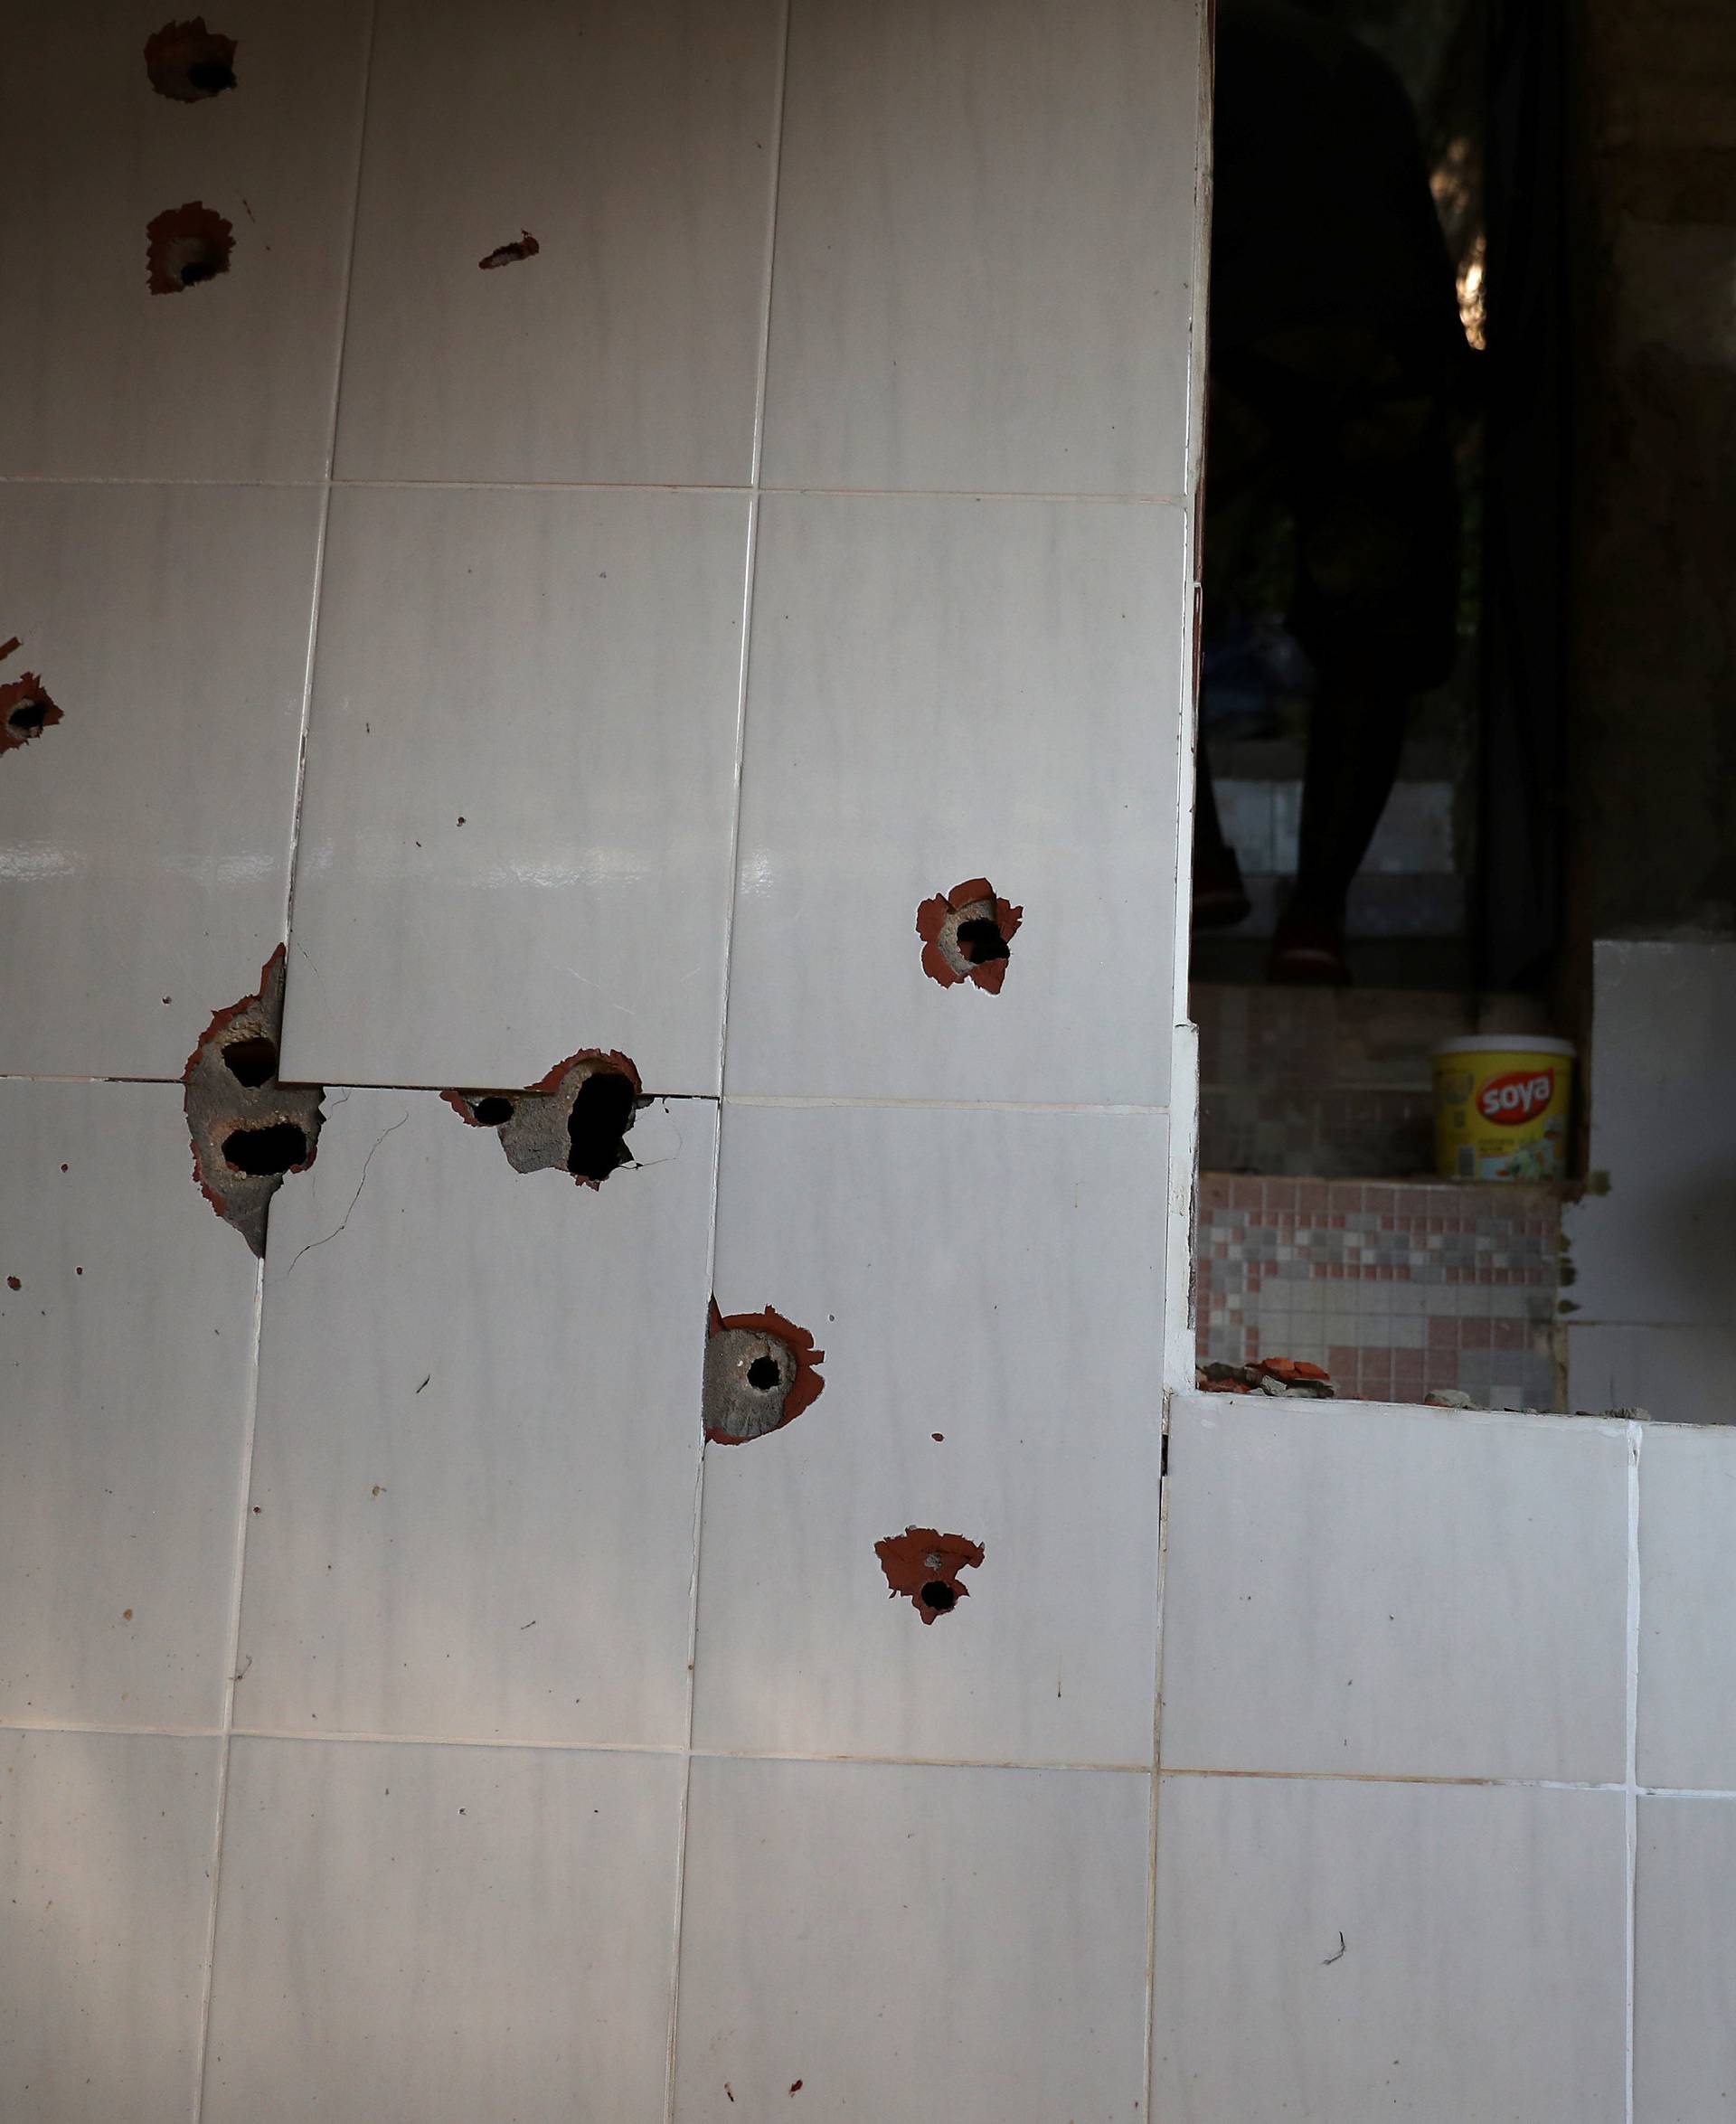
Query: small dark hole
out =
(251, 1062)
(601, 1116)
(211, 76)
(199, 269)
(492, 1111)
(939, 1595)
(764, 1374)
(980, 941)
(29, 716)
(271, 1149)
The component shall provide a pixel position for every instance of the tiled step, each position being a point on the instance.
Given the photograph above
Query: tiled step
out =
(1399, 1291)
(1330, 1083)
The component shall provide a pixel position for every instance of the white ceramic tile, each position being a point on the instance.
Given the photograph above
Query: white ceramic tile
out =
(126, 1383)
(984, 245)
(145, 837)
(443, 1933)
(636, 147)
(995, 1277)
(232, 379)
(106, 1844)
(945, 690)
(521, 788)
(1332, 1950)
(912, 1942)
(1687, 1655)
(1390, 1591)
(1685, 1962)
(1684, 1373)
(477, 1449)
(1658, 1245)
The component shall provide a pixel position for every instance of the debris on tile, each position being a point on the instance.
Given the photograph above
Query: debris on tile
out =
(1448, 1397)
(185, 245)
(508, 254)
(922, 1565)
(248, 1131)
(574, 1120)
(1277, 1376)
(761, 1371)
(965, 934)
(26, 711)
(189, 62)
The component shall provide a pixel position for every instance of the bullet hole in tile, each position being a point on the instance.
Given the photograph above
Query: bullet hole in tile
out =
(596, 1125)
(186, 245)
(981, 942)
(12, 1283)
(761, 1371)
(966, 935)
(251, 1062)
(509, 254)
(26, 711)
(277, 1146)
(922, 1565)
(574, 1120)
(248, 1131)
(188, 62)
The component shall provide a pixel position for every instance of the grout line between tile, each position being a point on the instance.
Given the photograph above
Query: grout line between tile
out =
(889, 494)
(1635, 1446)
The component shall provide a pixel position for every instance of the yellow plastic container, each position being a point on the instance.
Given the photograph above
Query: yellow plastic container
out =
(1502, 1105)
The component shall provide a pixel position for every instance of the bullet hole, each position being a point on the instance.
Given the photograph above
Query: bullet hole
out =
(761, 1371)
(922, 1565)
(248, 1131)
(277, 1148)
(26, 711)
(508, 254)
(12, 1283)
(574, 1120)
(251, 1062)
(188, 62)
(981, 942)
(186, 245)
(125, 1615)
(601, 1115)
(966, 934)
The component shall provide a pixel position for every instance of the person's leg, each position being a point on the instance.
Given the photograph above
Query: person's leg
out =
(1219, 899)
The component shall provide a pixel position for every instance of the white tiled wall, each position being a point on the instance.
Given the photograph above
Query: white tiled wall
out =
(402, 1714)
(1652, 1244)
(1446, 1821)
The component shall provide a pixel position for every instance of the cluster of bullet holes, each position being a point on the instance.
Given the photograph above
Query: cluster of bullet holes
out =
(188, 62)
(248, 1131)
(509, 254)
(26, 709)
(576, 1119)
(185, 245)
(966, 935)
(761, 1371)
(922, 1565)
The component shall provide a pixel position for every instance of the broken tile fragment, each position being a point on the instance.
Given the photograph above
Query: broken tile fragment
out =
(761, 1371)
(248, 1131)
(507, 254)
(574, 1120)
(966, 935)
(922, 1565)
